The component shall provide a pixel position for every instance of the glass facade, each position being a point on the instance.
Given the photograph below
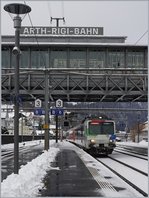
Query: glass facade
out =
(32, 57)
(77, 58)
(135, 59)
(24, 58)
(12, 60)
(116, 59)
(58, 58)
(5, 57)
(39, 58)
(96, 59)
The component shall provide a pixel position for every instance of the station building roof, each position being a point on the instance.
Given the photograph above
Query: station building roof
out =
(117, 41)
(66, 36)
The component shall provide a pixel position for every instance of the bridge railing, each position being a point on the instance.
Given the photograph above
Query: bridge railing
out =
(95, 71)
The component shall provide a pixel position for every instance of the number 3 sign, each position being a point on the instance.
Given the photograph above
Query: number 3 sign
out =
(38, 103)
(59, 103)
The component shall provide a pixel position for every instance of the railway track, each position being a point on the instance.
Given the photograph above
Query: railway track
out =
(126, 172)
(133, 154)
(127, 165)
(26, 154)
(8, 153)
(143, 151)
(129, 173)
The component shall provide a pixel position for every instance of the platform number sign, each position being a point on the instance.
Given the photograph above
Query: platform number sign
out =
(59, 103)
(38, 103)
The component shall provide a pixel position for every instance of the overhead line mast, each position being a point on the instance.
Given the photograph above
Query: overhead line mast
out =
(57, 20)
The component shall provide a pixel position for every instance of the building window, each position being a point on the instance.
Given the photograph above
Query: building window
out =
(5, 58)
(77, 58)
(116, 59)
(135, 59)
(96, 59)
(39, 58)
(58, 59)
(24, 58)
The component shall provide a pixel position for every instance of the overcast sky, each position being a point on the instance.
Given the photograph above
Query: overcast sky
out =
(119, 18)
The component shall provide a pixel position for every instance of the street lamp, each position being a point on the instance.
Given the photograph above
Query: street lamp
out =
(16, 9)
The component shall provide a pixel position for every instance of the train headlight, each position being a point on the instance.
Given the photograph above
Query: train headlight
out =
(92, 141)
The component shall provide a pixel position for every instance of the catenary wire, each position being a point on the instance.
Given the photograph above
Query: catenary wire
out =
(49, 9)
(63, 9)
(41, 55)
(141, 37)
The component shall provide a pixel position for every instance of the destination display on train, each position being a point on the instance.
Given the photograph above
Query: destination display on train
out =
(94, 31)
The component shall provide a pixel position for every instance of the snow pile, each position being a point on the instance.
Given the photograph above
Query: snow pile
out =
(144, 143)
(29, 180)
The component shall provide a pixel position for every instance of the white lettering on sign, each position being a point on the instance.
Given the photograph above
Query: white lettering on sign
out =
(95, 31)
(26, 31)
(32, 30)
(54, 30)
(53, 112)
(88, 31)
(38, 30)
(76, 31)
(82, 31)
(43, 30)
(38, 103)
(62, 30)
(59, 103)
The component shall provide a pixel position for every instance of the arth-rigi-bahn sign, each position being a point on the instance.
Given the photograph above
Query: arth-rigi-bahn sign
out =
(62, 31)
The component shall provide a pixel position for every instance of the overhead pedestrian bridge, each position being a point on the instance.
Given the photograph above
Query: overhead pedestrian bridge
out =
(75, 68)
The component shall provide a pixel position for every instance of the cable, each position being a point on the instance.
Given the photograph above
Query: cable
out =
(56, 18)
(63, 9)
(49, 8)
(141, 37)
(41, 55)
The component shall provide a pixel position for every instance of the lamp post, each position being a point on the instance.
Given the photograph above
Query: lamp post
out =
(16, 9)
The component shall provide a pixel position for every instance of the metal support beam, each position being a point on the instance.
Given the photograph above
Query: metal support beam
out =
(56, 119)
(78, 88)
(46, 112)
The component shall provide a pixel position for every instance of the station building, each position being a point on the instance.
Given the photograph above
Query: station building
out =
(72, 47)
(83, 65)
(98, 68)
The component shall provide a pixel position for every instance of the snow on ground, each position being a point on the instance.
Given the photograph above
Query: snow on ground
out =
(100, 172)
(28, 143)
(142, 143)
(29, 180)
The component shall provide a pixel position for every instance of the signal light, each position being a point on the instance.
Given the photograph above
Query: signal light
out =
(66, 123)
(66, 116)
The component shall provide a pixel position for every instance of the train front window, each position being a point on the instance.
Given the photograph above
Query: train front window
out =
(101, 128)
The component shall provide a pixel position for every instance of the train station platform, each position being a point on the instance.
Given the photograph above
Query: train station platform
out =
(75, 174)
(65, 170)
